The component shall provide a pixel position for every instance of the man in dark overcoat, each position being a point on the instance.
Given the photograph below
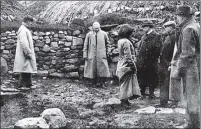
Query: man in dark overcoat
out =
(147, 59)
(165, 60)
(187, 59)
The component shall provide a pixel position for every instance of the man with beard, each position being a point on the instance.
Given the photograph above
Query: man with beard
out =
(147, 59)
(165, 60)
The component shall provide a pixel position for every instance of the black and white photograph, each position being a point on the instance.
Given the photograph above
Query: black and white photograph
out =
(100, 64)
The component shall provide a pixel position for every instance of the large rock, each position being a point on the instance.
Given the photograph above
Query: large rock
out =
(4, 66)
(78, 41)
(54, 117)
(31, 123)
(61, 36)
(10, 41)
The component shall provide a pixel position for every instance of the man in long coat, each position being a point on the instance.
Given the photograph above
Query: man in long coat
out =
(147, 59)
(165, 60)
(95, 55)
(187, 60)
(25, 61)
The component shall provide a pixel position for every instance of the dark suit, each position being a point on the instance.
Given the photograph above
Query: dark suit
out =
(147, 61)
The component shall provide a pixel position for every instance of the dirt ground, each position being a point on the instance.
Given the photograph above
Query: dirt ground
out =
(76, 99)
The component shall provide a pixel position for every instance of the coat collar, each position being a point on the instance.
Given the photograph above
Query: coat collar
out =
(186, 22)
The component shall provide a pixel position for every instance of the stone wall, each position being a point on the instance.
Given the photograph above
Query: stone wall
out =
(58, 54)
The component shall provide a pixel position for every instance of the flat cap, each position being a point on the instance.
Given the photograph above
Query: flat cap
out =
(170, 23)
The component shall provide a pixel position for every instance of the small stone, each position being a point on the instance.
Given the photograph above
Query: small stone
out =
(76, 33)
(61, 42)
(41, 34)
(47, 33)
(61, 36)
(78, 41)
(54, 61)
(46, 48)
(42, 73)
(2, 47)
(70, 68)
(3, 34)
(44, 78)
(36, 49)
(54, 44)
(67, 44)
(6, 51)
(3, 39)
(35, 37)
(66, 49)
(56, 35)
(72, 61)
(61, 32)
(39, 43)
(47, 41)
(55, 74)
(69, 38)
(72, 75)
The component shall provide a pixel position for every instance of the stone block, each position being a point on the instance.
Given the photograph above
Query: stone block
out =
(72, 75)
(3, 39)
(76, 33)
(41, 34)
(3, 34)
(78, 41)
(55, 74)
(70, 68)
(47, 41)
(72, 61)
(35, 37)
(56, 35)
(36, 49)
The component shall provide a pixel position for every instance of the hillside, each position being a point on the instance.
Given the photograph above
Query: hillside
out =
(11, 10)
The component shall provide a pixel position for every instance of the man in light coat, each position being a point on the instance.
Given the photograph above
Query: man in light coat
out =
(95, 55)
(187, 63)
(25, 61)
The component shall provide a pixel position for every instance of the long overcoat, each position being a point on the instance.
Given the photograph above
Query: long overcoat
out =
(95, 53)
(147, 60)
(187, 60)
(165, 59)
(24, 48)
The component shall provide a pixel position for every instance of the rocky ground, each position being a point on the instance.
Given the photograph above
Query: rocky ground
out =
(84, 106)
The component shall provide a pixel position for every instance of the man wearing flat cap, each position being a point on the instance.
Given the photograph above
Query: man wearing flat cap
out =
(165, 60)
(95, 55)
(187, 61)
(147, 59)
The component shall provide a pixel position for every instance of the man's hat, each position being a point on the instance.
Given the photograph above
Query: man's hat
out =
(170, 23)
(148, 24)
(184, 10)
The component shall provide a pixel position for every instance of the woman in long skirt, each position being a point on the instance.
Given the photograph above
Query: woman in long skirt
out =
(126, 68)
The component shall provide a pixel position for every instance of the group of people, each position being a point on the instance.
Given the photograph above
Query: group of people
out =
(169, 60)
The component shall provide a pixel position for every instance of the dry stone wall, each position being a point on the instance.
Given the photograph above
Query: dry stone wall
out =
(58, 54)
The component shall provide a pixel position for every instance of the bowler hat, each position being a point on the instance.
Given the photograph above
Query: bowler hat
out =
(148, 23)
(184, 10)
